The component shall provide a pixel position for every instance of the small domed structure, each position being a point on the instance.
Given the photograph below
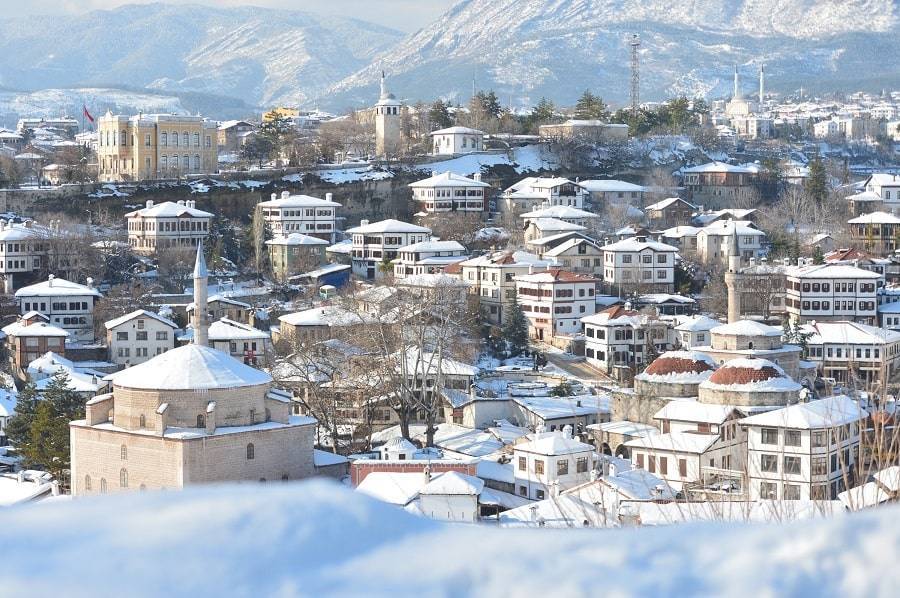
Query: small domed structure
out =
(749, 382)
(675, 374)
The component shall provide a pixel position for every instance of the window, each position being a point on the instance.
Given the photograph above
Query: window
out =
(539, 466)
(251, 451)
(768, 490)
(140, 335)
(539, 494)
(791, 492)
(121, 336)
(819, 439)
(143, 421)
(819, 466)
(201, 421)
(87, 483)
(123, 453)
(769, 436)
(639, 460)
(102, 485)
(768, 463)
(792, 465)
(682, 468)
(162, 335)
(581, 465)
(523, 491)
(562, 467)
(523, 464)
(123, 478)
(663, 465)
(792, 438)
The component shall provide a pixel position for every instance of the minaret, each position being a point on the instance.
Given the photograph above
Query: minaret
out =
(737, 87)
(762, 85)
(733, 277)
(201, 310)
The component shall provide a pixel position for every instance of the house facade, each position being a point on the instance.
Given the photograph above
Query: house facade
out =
(449, 192)
(138, 337)
(302, 214)
(639, 264)
(379, 243)
(555, 301)
(178, 225)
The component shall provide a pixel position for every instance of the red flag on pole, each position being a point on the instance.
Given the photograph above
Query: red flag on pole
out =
(87, 114)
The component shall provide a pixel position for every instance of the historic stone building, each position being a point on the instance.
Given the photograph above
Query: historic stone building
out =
(191, 415)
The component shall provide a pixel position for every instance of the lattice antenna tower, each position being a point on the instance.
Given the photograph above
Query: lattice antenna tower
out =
(635, 44)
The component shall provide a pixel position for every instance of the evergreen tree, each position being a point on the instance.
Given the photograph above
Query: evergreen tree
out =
(486, 103)
(47, 443)
(591, 107)
(439, 114)
(817, 183)
(543, 113)
(18, 429)
(277, 130)
(818, 256)
(515, 330)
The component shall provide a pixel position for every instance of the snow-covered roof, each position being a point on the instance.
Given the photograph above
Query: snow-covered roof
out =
(554, 275)
(849, 333)
(555, 224)
(453, 483)
(35, 329)
(562, 248)
(457, 131)
(724, 228)
(634, 245)
(298, 201)
(750, 375)
(190, 367)
(679, 367)
(388, 226)
(721, 167)
(294, 239)
(393, 488)
(698, 324)
(169, 209)
(552, 444)
(225, 329)
(57, 287)
(747, 328)
(625, 428)
(875, 218)
(8, 401)
(658, 298)
(690, 410)
(604, 186)
(838, 271)
(326, 315)
(822, 413)
(549, 408)
(675, 442)
(559, 212)
(139, 313)
(432, 247)
(418, 363)
(342, 247)
(508, 258)
(448, 179)
(437, 280)
(662, 205)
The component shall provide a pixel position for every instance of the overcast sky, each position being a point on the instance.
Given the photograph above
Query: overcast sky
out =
(405, 15)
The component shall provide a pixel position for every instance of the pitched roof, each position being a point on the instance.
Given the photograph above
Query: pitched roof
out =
(299, 201)
(552, 443)
(295, 239)
(388, 226)
(747, 328)
(448, 179)
(634, 245)
(169, 209)
(875, 218)
(139, 313)
(555, 275)
(822, 413)
(57, 287)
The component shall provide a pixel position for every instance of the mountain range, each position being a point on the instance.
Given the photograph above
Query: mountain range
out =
(241, 58)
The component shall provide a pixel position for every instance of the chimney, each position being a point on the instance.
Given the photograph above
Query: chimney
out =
(285, 194)
(274, 196)
(476, 177)
(364, 222)
(50, 280)
(329, 197)
(149, 203)
(90, 282)
(181, 202)
(567, 429)
(427, 472)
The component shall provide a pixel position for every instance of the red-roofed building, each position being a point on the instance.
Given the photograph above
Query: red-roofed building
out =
(554, 301)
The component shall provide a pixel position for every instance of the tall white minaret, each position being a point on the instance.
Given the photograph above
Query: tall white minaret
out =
(201, 310)
(762, 84)
(737, 87)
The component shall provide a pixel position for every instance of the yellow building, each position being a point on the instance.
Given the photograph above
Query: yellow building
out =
(282, 111)
(155, 146)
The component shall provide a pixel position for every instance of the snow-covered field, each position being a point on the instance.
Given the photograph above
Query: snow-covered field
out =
(528, 158)
(318, 539)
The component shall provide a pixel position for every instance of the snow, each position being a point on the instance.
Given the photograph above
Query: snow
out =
(339, 176)
(875, 218)
(139, 313)
(316, 538)
(326, 458)
(169, 209)
(560, 213)
(676, 442)
(393, 488)
(822, 413)
(286, 200)
(747, 328)
(190, 367)
(849, 333)
(698, 324)
(552, 444)
(57, 287)
(448, 179)
(690, 410)
(295, 239)
(453, 483)
(634, 245)
(529, 158)
(625, 428)
(388, 226)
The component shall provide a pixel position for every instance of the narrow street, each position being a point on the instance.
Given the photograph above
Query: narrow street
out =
(578, 367)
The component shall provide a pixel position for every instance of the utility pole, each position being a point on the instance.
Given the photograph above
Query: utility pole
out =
(635, 75)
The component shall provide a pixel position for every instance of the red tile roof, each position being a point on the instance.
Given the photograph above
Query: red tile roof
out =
(743, 375)
(677, 365)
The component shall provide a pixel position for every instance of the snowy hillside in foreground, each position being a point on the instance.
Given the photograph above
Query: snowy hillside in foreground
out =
(318, 539)
(525, 49)
(260, 55)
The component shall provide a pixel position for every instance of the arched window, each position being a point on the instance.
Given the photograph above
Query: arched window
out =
(185, 139)
(164, 162)
(251, 451)
(268, 414)
(197, 162)
(123, 478)
(175, 139)
(123, 453)
(123, 138)
(102, 485)
(165, 139)
(87, 483)
(284, 477)
(143, 421)
(750, 345)
(201, 421)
